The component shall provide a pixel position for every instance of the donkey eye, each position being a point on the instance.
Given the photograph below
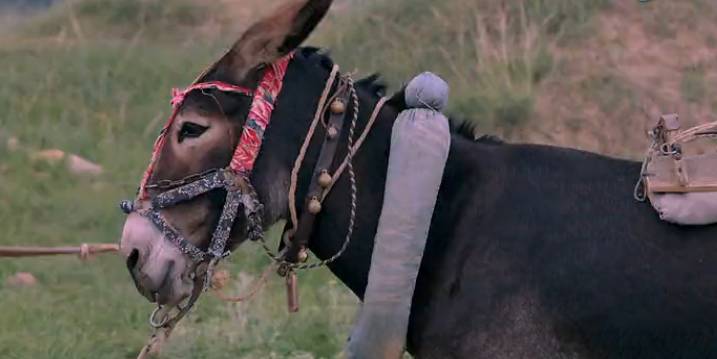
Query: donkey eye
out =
(191, 130)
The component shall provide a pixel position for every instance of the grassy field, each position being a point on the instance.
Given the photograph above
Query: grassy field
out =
(104, 96)
(93, 79)
(106, 102)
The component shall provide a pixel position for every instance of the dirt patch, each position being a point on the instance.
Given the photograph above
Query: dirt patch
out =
(607, 89)
(21, 279)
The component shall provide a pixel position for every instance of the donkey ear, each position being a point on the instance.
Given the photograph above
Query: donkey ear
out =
(273, 37)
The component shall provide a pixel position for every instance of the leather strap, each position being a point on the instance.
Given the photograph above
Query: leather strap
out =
(300, 240)
(239, 193)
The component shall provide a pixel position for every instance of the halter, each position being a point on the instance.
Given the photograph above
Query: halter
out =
(234, 179)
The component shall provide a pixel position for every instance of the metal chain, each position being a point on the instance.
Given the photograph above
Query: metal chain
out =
(167, 184)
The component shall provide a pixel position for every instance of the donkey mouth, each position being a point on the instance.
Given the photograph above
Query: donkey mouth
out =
(166, 293)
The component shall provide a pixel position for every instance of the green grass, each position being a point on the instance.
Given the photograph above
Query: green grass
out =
(105, 100)
(157, 19)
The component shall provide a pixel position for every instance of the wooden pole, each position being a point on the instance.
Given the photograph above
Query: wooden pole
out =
(83, 250)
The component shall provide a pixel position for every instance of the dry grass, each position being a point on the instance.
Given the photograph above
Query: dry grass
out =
(494, 54)
(642, 60)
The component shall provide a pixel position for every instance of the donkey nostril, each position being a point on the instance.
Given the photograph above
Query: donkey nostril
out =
(132, 260)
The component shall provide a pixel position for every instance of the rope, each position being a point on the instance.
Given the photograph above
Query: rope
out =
(357, 145)
(353, 147)
(304, 147)
(161, 334)
(695, 132)
(352, 178)
(219, 283)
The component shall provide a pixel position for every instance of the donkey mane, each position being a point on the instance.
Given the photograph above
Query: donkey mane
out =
(374, 84)
(461, 127)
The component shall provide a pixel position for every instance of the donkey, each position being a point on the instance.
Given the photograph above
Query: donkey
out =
(533, 251)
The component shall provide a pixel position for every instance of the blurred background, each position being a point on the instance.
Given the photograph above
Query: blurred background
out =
(85, 89)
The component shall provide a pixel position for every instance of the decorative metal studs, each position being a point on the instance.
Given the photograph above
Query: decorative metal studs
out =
(338, 107)
(314, 206)
(332, 132)
(127, 206)
(325, 179)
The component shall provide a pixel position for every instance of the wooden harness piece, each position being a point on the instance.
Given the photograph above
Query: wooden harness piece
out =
(670, 169)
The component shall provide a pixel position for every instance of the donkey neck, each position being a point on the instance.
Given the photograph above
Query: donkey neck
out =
(304, 83)
(370, 165)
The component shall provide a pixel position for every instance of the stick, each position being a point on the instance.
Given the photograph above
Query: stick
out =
(84, 250)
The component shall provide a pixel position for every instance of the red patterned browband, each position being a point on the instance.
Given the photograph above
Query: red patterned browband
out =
(262, 107)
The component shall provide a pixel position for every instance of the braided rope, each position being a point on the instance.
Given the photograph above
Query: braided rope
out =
(278, 257)
(357, 144)
(352, 148)
(219, 283)
(304, 147)
(352, 179)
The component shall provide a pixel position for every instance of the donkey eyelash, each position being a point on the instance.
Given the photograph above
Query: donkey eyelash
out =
(190, 130)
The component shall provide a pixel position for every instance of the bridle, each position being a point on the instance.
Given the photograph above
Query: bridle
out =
(235, 180)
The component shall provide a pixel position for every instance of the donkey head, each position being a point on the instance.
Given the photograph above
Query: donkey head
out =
(202, 135)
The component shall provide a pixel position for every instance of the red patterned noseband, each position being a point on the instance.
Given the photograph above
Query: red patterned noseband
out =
(262, 107)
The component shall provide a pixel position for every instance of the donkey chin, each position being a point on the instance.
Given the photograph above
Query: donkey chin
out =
(161, 273)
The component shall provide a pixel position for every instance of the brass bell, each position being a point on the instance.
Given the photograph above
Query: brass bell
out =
(332, 132)
(325, 179)
(303, 255)
(338, 107)
(314, 206)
